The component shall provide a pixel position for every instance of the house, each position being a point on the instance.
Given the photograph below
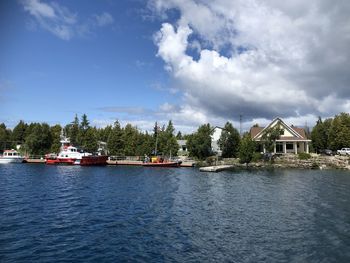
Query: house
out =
(182, 148)
(216, 134)
(292, 139)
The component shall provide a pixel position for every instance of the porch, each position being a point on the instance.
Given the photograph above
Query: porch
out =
(284, 147)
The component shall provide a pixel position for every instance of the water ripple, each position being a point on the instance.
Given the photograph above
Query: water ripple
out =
(108, 214)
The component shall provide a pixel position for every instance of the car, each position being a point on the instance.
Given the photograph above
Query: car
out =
(326, 152)
(344, 151)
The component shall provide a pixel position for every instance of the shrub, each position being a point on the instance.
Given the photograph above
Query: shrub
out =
(211, 160)
(304, 156)
(257, 157)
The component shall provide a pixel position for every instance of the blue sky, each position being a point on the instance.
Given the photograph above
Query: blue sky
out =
(105, 73)
(194, 61)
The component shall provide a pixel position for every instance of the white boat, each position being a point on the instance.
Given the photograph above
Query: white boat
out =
(11, 156)
(71, 155)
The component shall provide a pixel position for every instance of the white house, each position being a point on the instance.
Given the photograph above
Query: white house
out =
(183, 151)
(292, 140)
(214, 140)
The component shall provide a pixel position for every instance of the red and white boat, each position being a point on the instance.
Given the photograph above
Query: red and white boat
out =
(71, 155)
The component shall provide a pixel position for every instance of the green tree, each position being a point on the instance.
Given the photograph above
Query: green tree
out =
(84, 126)
(145, 144)
(72, 130)
(103, 133)
(320, 134)
(89, 143)
(270, 136)
(229, 141)
(115, 143)
(5, 137)
(246, 149)
(199, 143)
(171, 146)
(179, 136)
(19, 133)
(130, 139)
(38, 142)
(339, 133)
(56, 137)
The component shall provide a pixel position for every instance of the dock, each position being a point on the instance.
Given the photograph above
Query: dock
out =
(215, 169)
(124, 162)
(34, 160)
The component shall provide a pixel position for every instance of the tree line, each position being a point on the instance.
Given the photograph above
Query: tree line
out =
(331, 133)
(41, 138)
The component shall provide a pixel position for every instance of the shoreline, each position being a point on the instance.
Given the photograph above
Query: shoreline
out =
(289, 161)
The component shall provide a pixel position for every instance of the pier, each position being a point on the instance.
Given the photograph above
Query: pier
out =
(215, 169)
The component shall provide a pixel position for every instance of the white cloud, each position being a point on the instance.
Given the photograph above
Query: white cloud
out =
(104, 19)
(261, 59)
(60, 21)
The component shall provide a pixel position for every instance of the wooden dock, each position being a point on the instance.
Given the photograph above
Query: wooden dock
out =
(32, 160)
(124, 162)
(215, 169)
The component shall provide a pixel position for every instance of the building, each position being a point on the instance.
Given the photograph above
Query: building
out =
(292, 139)
(182, 148)
(216, 134)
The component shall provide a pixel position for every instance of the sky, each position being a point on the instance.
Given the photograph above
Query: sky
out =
(189, 61)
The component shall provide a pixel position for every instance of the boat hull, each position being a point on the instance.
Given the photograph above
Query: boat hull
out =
(84, 161)
(93, 160)
(11, 160)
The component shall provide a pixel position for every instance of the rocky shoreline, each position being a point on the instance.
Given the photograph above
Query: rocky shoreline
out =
(291, 161)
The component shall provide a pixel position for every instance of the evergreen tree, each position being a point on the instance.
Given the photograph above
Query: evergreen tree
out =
(55, 135)
(339, 133)
(103, 133)
(246, 149)
(115, 143)
(89, 142)
(320, 134)
(229, 141)
(179, 136)
(171, 147)
(5, 137)
(145, 144)
(199, 143)
(130, 139)
(19, 133)
(72, 130)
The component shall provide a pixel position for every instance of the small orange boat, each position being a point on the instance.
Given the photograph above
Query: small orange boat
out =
(160, 162)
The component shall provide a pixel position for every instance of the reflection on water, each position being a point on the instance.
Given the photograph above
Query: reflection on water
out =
(89, 214)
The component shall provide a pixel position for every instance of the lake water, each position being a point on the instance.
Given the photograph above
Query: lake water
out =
(135, 214)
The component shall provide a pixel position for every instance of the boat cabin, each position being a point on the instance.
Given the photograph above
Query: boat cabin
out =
(10, 153)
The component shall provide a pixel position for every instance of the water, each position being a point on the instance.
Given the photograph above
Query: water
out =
(135, 214)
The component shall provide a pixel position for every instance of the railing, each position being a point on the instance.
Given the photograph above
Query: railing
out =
(38, 157)
(125, 158)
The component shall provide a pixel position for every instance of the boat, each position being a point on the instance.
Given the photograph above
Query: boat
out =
(160, 162)
(11, 156)
(71, 155)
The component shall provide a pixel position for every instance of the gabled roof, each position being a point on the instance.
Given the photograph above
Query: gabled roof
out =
(298, 133)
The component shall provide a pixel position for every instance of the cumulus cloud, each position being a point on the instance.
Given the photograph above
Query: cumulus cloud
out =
(60, 21)
(261, 59)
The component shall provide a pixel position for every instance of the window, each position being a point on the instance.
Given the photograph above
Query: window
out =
(289, 146)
